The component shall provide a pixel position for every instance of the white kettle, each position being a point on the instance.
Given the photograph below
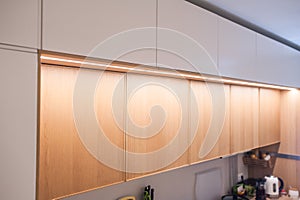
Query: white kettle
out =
(272, 186)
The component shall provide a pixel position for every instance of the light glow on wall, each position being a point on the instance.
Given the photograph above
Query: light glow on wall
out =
(46, 59)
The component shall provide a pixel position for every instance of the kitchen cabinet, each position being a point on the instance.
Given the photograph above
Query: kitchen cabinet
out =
(109, 29)
(244, 111)
(186, 37)
(288, 171)
(289, 122)
(237, 50)
(156, 125)
(78, 132)
(18, 85)
(291, 68)
(276, 63)
(289, 139)
(209, 112)
(20, 23)
(269, 116)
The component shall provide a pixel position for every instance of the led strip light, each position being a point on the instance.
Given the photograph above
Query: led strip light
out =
(152, 71)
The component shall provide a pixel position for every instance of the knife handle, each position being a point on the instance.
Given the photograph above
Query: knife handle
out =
(152, 194)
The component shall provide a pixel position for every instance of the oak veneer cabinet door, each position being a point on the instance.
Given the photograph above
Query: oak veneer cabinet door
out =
(209, 110)
(289, 126)
(244, 110)
(156, 124)
(289, 169)
(269, 116)
(71, 154)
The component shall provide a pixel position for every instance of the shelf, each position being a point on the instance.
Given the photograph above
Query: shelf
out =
(258, 162)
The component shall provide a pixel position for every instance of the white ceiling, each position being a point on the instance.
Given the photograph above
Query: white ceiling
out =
(280, 17)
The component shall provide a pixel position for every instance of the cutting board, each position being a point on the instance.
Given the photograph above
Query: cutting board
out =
(209, 184)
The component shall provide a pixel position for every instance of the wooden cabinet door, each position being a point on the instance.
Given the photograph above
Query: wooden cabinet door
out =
(269, 116)
(72, 150)
(289, 122)
(109, 29)
(209, 111)
(156, 124)
(244, 110)
(186, 36)
(289, 169)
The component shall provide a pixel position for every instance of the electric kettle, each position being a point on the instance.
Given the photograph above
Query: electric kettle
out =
(272, 187)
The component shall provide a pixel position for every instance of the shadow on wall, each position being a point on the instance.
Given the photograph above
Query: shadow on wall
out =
(184, 183)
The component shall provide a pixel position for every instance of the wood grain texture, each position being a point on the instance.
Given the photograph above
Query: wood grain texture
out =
(244, 118)
(158, 115)
(202, 111)
(298, 138)
(288, 122)
(157, 124)
(269, 116)
(289, 170)
(65, 165)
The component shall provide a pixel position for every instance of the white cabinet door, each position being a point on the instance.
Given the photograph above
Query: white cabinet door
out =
(110, 29)
(187, 37)
(277, 63)
(19, 22)
(237, 50)
(18, 86)
(291, 70)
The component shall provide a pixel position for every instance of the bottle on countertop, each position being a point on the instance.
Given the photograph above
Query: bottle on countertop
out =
(260, 190)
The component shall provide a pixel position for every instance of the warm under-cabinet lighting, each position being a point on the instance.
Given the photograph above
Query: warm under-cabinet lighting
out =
(80, 62)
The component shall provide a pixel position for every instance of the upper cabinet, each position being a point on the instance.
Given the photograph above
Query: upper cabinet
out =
(209, 124)
(244, 109)
(237, 50)
(277, 63)
(290, 122)
(109, 29)
(269, 116)
(156, 124)
(81, 140)
(19, 22)
(186, 37)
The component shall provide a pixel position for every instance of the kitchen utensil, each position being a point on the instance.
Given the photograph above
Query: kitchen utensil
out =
(272, 186)
(293, 193)
(147, 193)
(238, 192)
(127, 198)
(242, 189)
(234, 197)
(152, 193)
(260, 189)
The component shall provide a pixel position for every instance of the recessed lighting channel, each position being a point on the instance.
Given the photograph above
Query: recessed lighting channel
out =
(181, 74)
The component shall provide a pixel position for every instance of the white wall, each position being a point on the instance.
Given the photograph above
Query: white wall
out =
(175, 184)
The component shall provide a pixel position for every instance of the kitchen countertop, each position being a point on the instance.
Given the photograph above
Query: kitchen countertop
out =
(280, 198)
